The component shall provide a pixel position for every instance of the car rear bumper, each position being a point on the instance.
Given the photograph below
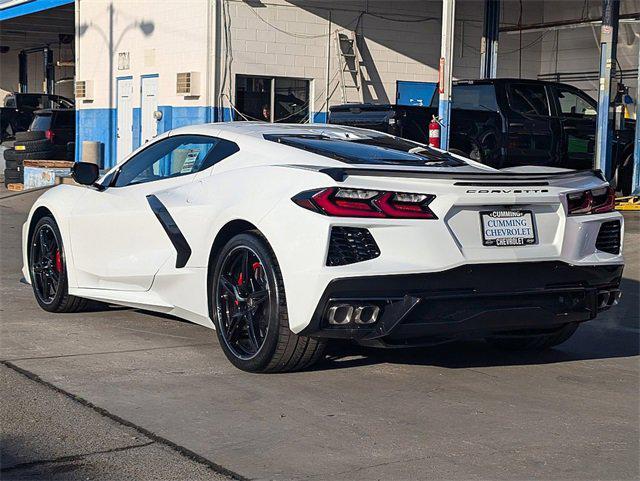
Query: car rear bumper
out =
(473, 300)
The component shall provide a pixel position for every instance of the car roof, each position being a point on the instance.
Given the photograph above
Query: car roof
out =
(259, 129)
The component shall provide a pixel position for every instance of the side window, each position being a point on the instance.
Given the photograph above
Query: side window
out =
(474, 97)
(573, 104)
(173, 157)
(528, 99)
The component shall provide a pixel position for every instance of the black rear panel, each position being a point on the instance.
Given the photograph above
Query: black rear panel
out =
(609, 237)
(349, 245)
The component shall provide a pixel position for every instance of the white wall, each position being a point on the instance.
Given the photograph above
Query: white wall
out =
(162, 38)
(400, 40)
(577, 50)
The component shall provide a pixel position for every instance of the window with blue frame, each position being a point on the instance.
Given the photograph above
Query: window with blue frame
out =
(173, 157)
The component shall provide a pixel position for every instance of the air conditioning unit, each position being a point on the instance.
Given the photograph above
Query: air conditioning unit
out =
(188, 84)
(84, 89)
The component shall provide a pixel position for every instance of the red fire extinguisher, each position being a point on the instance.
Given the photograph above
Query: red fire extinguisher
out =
(434, 133)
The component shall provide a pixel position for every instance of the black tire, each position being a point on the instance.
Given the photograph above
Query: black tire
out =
(532, 341)
(475, 154)
(33, 146)
(13, 155)
(624, 173)
(41, 155)
(278, 349)
(70, 153)
(60, 300)
(16, 174)
(13, 164)
(30, 135)
(11, 179)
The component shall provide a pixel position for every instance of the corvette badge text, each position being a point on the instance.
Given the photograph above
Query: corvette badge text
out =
(507, 191)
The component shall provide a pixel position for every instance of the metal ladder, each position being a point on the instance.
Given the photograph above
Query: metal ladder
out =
(350, 61)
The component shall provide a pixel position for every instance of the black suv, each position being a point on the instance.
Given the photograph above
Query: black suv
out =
(50, 137)
(19, 109)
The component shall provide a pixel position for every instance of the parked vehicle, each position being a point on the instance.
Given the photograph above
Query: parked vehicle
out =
(59, 127)
(50, 137)
(19, 109)
(507, 123)
(286, 236)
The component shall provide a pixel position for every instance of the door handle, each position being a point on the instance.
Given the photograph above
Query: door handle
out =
(516, 125)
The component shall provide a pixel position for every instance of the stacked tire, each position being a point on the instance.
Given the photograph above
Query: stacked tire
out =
(31, 146)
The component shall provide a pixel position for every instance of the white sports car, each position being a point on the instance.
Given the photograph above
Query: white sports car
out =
(282, 237)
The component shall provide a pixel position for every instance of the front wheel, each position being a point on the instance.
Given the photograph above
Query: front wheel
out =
(250, 310)
(48, 270)
(532, 341)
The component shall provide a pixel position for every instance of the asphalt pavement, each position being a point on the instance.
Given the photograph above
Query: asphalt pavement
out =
(124, 394)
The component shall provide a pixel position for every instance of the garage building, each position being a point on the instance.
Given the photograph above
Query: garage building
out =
(144, 67)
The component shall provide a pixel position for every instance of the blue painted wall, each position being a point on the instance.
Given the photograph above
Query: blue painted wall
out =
(30, 6)
(96, 125)
(99, 125)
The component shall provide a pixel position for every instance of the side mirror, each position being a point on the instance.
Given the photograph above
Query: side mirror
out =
(85, 173)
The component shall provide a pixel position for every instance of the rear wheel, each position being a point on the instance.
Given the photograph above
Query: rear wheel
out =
(47, 268)
(531, 340)
(250, 310)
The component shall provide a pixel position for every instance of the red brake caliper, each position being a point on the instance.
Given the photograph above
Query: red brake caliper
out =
(58, 261)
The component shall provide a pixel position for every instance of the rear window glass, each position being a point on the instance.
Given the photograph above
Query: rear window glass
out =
(474, 97)
(41, 122)
(64, 119)
(372, 150)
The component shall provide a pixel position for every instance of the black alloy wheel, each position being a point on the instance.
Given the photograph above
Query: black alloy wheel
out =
(48, 271)
(46, 264)
(249, 308)
(244, 302)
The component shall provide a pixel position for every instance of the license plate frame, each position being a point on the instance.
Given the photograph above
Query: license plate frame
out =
(506, 240)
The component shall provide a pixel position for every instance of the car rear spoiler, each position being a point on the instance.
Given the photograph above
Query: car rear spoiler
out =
(340, 174)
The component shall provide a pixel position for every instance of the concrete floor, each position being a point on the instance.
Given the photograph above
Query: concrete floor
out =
(460, 411)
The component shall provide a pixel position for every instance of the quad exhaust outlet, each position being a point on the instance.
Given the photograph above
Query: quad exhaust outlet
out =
(343, 314)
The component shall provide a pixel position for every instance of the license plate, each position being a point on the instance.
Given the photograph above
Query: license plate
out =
(507, 228)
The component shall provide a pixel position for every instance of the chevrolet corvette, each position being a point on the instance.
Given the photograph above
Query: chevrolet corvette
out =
(283, 237)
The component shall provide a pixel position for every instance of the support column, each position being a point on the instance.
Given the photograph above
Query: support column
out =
(489, 46)
(635, 186)
(49, 71)
(22, 72)
(446, 70)
(608, 44)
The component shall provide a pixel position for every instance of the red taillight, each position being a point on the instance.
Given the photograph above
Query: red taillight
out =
(49, 135)
(340, 202)
(595, 201)
(332, 203)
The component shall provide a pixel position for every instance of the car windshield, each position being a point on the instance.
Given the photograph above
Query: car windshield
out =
(372, 150)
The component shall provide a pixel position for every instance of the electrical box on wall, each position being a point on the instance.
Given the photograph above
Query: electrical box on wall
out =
(84, 89)
(188, 84)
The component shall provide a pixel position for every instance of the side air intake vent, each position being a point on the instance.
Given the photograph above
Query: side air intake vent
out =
(349, 245)
(609, 237)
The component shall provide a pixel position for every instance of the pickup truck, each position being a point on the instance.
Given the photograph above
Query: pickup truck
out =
(19, 109)
(507, 123)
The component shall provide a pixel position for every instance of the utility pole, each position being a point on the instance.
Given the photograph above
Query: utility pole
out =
(490, 33)
(608, 45)
(446, 70)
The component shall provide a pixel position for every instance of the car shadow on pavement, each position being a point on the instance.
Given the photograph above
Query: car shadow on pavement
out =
(597, 344)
